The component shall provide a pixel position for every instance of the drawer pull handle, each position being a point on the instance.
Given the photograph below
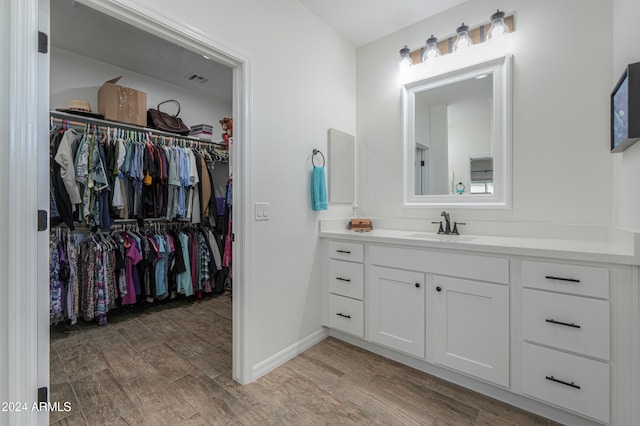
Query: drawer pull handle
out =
(344, 251)
(553, 379)
(343, 279)
(571, 280)
(343, 315)
(552, 321)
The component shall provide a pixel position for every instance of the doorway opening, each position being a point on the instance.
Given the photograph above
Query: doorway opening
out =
(166, 60)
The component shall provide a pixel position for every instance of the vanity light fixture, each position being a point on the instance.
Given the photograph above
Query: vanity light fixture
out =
(494, 30)
(405, 59)
(462, 40)
(498, 27)
(432, 51)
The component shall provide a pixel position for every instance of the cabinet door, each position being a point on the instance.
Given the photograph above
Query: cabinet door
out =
(395, 309)
(471, 321)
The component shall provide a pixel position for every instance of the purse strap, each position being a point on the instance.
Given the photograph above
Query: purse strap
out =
(170, 100)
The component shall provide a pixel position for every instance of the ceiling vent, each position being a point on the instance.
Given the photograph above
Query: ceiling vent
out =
(196, 78)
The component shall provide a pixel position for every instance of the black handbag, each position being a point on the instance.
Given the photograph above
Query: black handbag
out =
(159, 120)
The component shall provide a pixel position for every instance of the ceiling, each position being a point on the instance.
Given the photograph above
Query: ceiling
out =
(82, 30)
(363, 21)
(89, 33)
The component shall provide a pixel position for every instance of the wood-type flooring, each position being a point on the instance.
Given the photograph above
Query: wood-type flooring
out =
(171, 365)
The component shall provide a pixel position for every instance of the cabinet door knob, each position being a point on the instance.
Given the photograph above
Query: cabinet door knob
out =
(438, 288)
(417, 285)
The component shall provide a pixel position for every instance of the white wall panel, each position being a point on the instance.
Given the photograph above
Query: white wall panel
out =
(626, 166)
(561, 81)
(303, 83)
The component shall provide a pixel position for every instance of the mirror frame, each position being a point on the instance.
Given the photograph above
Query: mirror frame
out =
(447, 70)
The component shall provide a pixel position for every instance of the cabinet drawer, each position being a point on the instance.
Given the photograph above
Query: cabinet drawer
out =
(573, 323)
(482, 268)
(346, 279)
(346, 315)
(574, 279)
(345, 251)
(586, 382)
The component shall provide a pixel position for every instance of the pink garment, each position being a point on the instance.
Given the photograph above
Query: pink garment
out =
(133, 258)
(226, 258)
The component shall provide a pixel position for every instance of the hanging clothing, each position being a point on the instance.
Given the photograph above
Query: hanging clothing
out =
(64, 157)
(183, 279)
(98, 176)
(63, 206)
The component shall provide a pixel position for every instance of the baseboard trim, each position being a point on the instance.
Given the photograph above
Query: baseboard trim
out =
(288, 353)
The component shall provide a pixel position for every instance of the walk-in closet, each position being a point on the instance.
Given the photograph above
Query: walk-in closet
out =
(140, 239)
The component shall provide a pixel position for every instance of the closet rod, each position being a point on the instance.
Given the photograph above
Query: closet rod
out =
(76, 120)
(120, 222)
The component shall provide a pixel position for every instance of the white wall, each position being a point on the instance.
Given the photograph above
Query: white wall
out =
(77, 77)
(439, 135)
(303, 83)
(4, 191)
(561, 82)
(469, 134)
(626, 166)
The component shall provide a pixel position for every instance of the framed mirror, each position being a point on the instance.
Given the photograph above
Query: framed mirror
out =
(457, 133)
(342, 167)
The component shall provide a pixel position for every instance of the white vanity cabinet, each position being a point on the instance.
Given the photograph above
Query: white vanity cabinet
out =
(471, 327)
(345, 281)
(468, 320)
(566, 331)
(395, 309)
(555, 335)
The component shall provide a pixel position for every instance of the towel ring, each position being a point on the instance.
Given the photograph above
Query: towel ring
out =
(317, 151)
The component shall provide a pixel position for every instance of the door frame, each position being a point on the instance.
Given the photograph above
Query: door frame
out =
(27, 332)
(23, 328)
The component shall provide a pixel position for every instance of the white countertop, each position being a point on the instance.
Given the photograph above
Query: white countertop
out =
(621, 250)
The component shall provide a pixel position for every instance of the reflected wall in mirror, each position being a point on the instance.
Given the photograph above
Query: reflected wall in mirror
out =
(342, 167)
(457, 125)
(452, 123)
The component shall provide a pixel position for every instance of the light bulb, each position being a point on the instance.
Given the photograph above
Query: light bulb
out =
(498, 27)
(405, 59)
(462, 41)
(432, 51)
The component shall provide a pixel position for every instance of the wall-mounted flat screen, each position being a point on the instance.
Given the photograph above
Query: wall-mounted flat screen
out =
(625, 109)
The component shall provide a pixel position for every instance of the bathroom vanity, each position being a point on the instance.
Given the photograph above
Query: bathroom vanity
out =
(546, 324)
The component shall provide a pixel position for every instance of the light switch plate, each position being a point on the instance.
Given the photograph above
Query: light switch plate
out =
(262, 211)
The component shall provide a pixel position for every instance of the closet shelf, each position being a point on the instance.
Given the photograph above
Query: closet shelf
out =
(77, 120)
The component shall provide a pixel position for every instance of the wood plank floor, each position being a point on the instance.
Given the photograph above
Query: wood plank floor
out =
(171, 365)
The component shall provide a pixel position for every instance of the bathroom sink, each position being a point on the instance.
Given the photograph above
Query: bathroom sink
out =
(441, 237)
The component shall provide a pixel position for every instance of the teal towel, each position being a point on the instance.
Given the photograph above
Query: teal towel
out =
(318, 189)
